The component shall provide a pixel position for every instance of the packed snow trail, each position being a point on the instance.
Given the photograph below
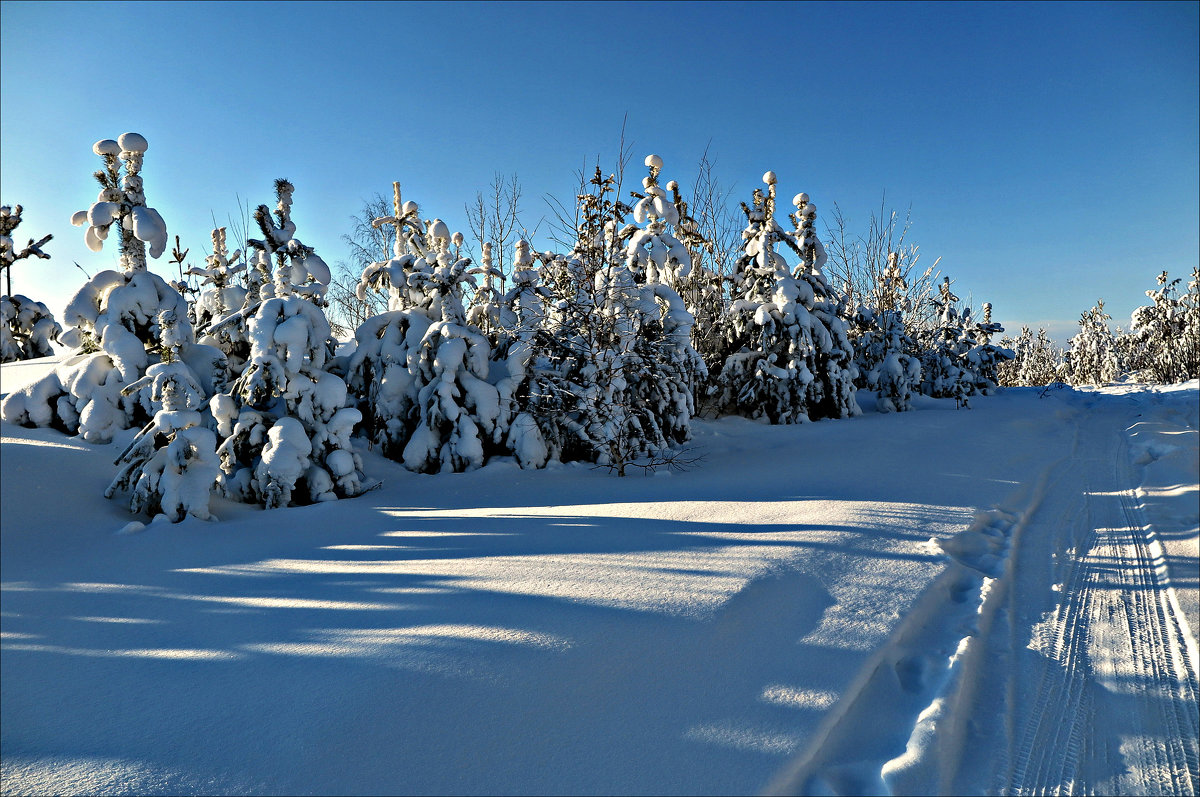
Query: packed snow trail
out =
(1078, 676)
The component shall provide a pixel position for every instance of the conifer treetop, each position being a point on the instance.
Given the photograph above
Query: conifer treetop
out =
(122, 201)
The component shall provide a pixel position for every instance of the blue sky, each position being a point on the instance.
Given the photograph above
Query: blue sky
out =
(1048, 151)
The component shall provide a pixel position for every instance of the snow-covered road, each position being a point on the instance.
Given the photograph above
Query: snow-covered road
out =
(1101, 687)
(1079, 675)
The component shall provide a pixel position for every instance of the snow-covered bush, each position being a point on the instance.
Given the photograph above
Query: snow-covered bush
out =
(284, 392)
(113, 319)
(27, 329)
(1091, 357)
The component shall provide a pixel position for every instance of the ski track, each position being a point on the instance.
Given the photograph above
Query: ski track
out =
(1112, 706)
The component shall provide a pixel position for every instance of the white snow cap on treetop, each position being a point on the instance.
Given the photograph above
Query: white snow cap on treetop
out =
(800, 199)
(457, 239)
(672, 186)
(106, 146)
(408, 207)
(654, 162)
(438, 229)
(133, 142)
(769, 178)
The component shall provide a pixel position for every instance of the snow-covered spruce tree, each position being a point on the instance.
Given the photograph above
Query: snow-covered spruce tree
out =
(1091, 357)
(285, 423)
(420, 369)
(602, 367)
(981, 357)
(171, 465)
(26, 327)
(888, 296)
(943, 371)
(114, 317)
(1163, 342)
(522, 319)
(487, 312)
(308, 276)
(883, 349)
(223, 297)
(670, 370)
(553, 403)
(831, 393)
(786, 365)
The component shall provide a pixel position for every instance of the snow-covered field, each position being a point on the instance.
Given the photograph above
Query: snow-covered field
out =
(1001, 599)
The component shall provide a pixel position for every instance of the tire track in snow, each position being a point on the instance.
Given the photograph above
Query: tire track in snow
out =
(1114, 709)
(1075, 679)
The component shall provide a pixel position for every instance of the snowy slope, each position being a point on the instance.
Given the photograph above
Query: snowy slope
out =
(566, 631)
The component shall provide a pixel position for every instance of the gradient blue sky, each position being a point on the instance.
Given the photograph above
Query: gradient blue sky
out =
(1048, 151)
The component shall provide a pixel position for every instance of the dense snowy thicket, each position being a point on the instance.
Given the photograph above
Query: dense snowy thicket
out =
(1162, 344)
(601, 354)
(1036, 360)
(27, 327)
(958, 358)
(600, 357)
